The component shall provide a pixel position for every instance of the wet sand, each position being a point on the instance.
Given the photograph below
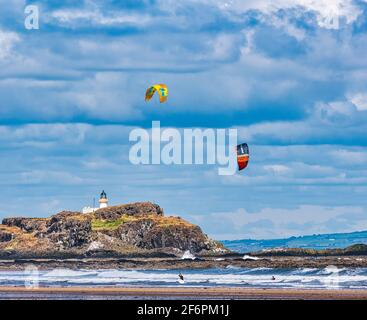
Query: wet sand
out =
(151, 293)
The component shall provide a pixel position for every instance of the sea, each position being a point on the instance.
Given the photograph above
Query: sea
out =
(304, 278)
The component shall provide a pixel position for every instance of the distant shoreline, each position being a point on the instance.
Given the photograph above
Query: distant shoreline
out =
(316, 241)
(180, 293)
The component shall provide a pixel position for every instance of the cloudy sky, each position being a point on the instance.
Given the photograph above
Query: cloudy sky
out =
(291, 76)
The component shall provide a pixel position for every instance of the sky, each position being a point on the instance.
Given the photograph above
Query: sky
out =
(290, 76)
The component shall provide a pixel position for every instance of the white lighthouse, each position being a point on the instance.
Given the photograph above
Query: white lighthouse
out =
(103, 203)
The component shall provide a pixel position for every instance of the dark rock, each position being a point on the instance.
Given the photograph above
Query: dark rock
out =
(26, 224)
(5, 236)
(147, 234)
(132, 209)
(69, 229)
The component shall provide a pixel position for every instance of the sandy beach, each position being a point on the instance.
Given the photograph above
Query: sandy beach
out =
(179, 293)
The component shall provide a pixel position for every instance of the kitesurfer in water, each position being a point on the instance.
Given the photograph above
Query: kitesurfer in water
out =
(181, 277)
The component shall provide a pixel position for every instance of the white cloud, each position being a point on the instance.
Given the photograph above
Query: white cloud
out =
(326, 123)
(328, 11)
(50, 177)
(327, 110)
(284, 222)
(56, 132)
(302, 165)
(277, 169)
(102, 97)
(360, 101)
(7, 41)
(101, 69)
(72, 162)
(349, 157)
(96, 17)
(218, 72)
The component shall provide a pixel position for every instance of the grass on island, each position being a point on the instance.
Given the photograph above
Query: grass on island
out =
(100, 224)
(164, 222)
(167, 222)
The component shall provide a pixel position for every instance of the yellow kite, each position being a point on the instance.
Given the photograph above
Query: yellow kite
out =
(162, 91)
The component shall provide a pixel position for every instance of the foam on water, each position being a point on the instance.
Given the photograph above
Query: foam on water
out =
(247, 257)
(243, 277)
(188, 255)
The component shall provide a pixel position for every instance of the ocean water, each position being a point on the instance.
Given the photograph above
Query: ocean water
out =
(318, 241)
(304, 278)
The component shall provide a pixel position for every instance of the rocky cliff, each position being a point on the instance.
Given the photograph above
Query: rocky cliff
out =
(130, 229)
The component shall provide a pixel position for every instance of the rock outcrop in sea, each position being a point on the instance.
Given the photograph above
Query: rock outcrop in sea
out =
(123, 230)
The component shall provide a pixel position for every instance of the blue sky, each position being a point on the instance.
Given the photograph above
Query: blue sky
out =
(289, 75)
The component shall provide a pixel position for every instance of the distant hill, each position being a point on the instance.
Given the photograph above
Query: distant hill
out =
(318, 241)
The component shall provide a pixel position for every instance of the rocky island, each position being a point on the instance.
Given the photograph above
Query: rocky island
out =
(136, 229)
(140, 236)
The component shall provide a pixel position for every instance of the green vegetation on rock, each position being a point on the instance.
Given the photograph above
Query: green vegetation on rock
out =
(100, 224)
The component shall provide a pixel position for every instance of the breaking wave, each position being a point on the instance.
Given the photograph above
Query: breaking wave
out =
(188, 255)
(240, 277)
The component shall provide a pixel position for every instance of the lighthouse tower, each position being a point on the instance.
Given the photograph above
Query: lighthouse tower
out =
(103, 201)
